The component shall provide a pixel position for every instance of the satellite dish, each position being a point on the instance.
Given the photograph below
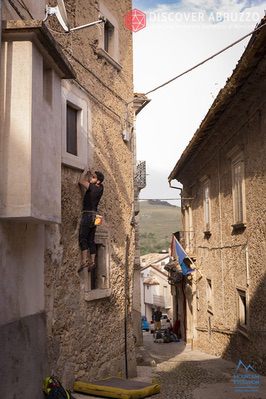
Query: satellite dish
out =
(60, 12)
(62, 15)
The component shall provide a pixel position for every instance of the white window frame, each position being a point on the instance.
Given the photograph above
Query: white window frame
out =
(103, 289)
(75, 97)
(238, 189)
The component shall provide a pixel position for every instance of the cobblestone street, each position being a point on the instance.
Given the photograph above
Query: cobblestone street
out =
(187, 374)
(191, 374)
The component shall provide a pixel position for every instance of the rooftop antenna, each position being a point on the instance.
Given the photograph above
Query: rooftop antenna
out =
(60, 12)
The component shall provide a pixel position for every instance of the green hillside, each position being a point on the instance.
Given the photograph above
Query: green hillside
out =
(158, 219)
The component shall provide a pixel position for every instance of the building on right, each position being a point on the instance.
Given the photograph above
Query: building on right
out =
(224, 215)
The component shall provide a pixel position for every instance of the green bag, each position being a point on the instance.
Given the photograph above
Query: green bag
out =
(53, 389)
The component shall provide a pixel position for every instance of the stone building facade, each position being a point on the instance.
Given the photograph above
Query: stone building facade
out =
(224, 202)
(66, 102)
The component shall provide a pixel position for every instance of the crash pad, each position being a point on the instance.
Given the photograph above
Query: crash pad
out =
(117, 388)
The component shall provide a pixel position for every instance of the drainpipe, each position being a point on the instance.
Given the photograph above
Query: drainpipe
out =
(247, 265)
(221, 232)
(181, 191)
(0, 29)
(126, 303)
(184, 311)
(177, 188)
(144, 299)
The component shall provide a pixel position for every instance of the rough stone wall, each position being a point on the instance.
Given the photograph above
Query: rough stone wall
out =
(223, 257)
(87, 337)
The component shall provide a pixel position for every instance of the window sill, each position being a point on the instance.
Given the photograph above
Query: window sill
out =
(73, 162)
(239, 227)
(93, 295)
(103, 54)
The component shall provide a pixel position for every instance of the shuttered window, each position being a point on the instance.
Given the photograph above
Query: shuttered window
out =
(238, 190)
(206, 206)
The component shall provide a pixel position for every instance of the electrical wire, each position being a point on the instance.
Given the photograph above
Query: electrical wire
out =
(99, 101)
(160, 199)
(203, 62)
(13, 5)
(23, 5)
(98, 79)
(94, 75)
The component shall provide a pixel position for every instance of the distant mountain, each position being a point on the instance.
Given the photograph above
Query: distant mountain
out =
(158, 220)
(160, 202)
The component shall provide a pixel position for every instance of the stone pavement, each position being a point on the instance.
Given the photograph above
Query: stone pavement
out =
(191, 374)
(188, 374)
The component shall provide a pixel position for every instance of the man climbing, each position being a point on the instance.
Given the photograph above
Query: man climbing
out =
(94, 191)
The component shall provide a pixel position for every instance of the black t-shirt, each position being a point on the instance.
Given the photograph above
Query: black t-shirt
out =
(92, 197)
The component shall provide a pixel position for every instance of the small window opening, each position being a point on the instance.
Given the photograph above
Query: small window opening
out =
(99, 274)
(209, 296)
(108, 36)
(72, 118)
(242, 308)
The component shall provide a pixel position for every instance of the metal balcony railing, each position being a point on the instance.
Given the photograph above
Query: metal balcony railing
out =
(140, 177)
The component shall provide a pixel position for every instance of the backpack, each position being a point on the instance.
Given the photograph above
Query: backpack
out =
(159, 335)
(53, 389)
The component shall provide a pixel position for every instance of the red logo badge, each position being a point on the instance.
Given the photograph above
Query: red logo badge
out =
(135, 20)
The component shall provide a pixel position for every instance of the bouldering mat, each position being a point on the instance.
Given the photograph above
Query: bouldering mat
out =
(117, 388)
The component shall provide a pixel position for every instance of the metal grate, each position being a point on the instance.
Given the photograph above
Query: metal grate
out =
(140, 177)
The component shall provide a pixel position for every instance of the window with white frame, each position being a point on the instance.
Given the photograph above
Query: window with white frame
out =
(75, 125)
(206, 206)
(72, 129)
(242, 308)
(209, 295)
(97, 282)
(238, 190)
(99, 276)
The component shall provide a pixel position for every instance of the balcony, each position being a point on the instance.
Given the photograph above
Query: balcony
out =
(140, 176)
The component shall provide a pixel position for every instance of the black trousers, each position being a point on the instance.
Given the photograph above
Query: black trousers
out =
(87, 230)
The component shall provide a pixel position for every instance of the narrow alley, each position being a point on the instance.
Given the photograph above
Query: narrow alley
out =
(132, 199)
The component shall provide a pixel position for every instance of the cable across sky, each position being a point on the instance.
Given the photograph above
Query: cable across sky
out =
(204, 61)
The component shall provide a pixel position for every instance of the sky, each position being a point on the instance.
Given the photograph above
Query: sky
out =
(178, 35)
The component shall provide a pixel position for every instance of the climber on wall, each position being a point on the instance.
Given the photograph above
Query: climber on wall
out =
(94, 191)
